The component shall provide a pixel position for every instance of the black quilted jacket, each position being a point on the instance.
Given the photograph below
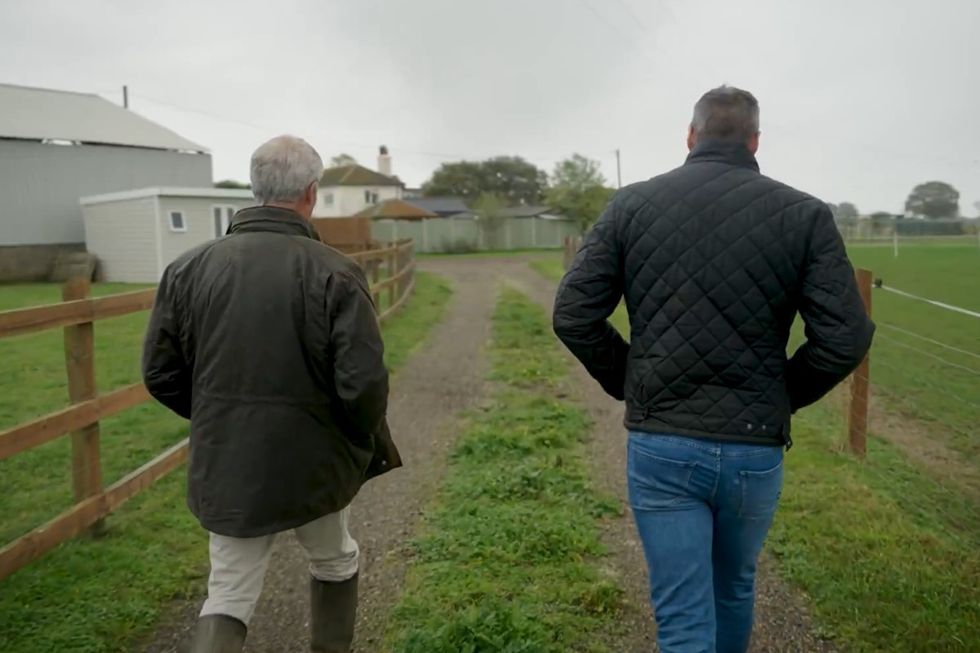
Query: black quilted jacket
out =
(714, 261)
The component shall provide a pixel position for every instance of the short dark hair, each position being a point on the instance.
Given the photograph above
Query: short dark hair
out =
(726, 113)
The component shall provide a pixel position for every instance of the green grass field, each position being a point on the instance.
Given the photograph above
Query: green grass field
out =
(506, 561)
(100, 595)
(887, 548)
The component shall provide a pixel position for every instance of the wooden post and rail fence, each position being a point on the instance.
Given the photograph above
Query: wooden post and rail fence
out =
(77, 315)
(859, 390)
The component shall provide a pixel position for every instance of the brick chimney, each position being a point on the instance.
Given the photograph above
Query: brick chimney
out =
(384, 161)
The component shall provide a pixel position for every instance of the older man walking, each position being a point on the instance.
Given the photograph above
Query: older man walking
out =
(267, 341)
(714, 261)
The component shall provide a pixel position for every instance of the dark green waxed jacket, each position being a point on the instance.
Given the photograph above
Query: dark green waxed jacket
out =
(267, 340)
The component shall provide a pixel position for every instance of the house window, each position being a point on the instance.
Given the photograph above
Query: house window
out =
(370, 197)
(328, 199)
(177, 221)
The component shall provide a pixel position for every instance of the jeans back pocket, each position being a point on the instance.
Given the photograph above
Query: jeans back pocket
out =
(760, 492)
(656, 482)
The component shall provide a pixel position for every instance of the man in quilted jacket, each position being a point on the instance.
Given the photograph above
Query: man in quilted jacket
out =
(714, 262)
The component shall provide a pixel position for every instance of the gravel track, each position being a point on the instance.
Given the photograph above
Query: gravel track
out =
(430, 395)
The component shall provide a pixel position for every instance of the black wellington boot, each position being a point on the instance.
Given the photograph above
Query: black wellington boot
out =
(333, 608)
(218, 633)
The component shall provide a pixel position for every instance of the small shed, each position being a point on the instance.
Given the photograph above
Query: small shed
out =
(136, 234)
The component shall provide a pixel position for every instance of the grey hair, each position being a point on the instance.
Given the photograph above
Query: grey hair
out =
(283, 168)
(726, 113)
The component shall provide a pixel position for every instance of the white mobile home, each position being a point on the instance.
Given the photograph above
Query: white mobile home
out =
(136, 234)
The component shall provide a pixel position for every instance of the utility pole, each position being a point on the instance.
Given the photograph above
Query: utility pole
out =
(619, 176)
(125, 97)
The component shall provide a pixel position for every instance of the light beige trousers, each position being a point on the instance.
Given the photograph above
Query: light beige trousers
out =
(238, 565)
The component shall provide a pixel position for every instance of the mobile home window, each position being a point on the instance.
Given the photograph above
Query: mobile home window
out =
(177, 221)
(222, 216)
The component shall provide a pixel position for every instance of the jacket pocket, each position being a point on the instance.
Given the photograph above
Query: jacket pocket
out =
(655, 482)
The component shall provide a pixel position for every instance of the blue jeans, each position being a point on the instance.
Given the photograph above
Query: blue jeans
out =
(703, 509)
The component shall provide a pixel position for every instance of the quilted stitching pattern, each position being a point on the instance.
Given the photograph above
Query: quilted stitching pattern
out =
(714, 261)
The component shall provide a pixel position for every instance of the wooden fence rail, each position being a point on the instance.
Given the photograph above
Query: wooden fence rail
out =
(76, 316)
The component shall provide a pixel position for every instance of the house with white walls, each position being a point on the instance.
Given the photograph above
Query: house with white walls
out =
(349, 189)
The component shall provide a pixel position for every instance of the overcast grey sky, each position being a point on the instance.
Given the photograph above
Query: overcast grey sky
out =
(860, 99)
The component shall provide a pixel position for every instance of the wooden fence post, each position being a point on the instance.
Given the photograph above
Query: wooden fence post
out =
(375, 266)
(86, 466)
(857, 423)
(393, 268)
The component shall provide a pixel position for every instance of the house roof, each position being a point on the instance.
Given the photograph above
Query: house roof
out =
(529, 211)
(441, 205)
(396, 210)
(356, 175)
(168, 191)
(40, 113)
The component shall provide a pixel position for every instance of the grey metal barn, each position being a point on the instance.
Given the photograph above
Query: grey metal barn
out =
(56, 147)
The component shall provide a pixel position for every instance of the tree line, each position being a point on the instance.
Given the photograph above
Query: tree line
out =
(934, 200)
(577, 189)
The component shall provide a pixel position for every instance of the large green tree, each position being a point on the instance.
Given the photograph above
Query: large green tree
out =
(578, 190)
(934, 199)
(510, 178)
(231, 183)
(847, 212)
(881, 218)
(489, 212)
(342, 159)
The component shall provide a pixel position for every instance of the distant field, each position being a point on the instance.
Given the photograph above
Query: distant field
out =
(938, 382)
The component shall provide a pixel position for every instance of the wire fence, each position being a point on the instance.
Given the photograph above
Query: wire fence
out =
(923, 396)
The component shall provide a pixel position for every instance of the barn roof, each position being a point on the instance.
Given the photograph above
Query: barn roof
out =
(39, 113)
(441, 205)
(397, 210)
(356, 175)
(528, 211)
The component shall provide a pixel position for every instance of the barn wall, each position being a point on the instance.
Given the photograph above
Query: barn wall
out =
(31, 262)
(41, 184)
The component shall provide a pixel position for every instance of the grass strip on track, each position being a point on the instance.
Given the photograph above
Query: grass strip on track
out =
(507, 558)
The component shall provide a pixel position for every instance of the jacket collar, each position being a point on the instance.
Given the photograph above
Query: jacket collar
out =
(735, 154)
(272, 219)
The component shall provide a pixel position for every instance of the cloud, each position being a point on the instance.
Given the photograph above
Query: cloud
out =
(860, 101)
